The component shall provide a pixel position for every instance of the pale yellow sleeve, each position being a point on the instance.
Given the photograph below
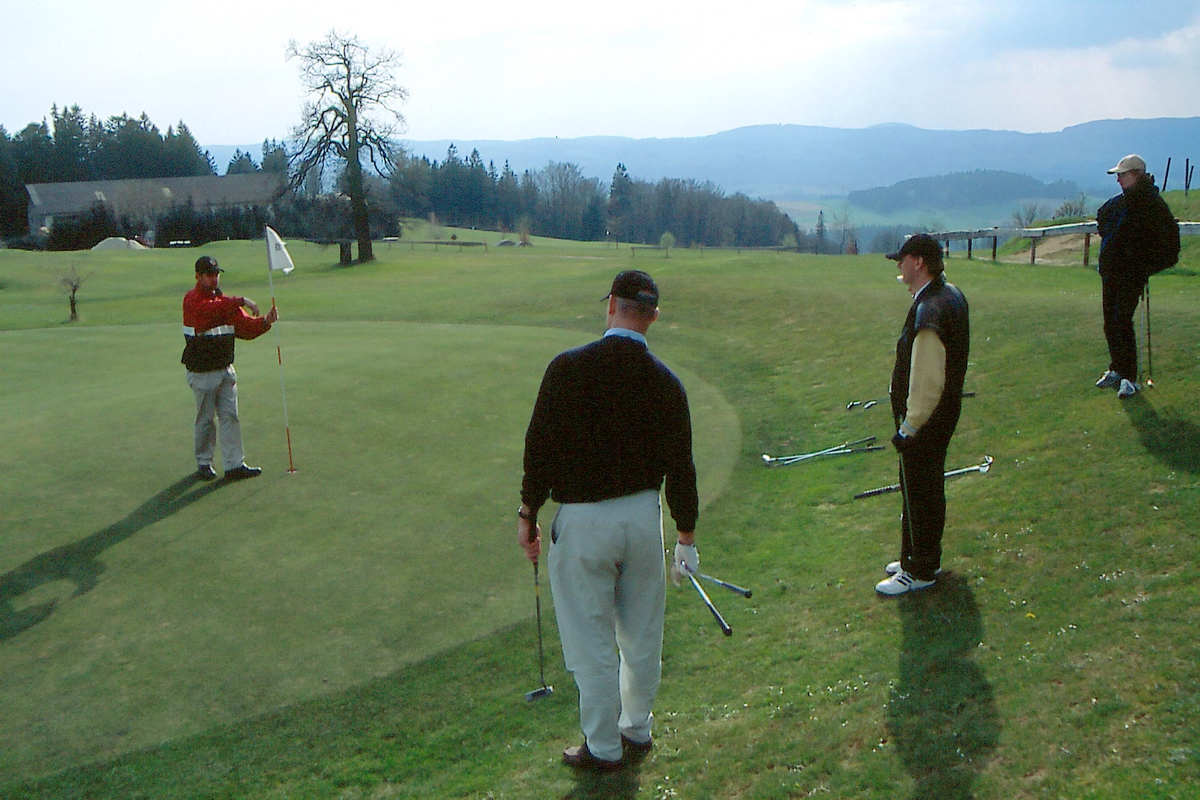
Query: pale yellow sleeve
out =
(927, 379)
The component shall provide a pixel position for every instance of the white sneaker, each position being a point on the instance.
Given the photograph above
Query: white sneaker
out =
(1128, 388)
(900, 583)
(894, 566)
(1108, 380)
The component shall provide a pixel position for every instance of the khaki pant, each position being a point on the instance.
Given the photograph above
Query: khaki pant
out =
(609, 588)
(216, 400)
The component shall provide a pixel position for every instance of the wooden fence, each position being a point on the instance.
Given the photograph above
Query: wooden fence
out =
(1035, 235)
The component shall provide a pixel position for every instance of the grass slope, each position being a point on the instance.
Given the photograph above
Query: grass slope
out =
(270, 656)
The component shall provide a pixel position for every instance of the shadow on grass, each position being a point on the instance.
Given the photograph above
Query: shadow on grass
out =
(621, 783)
(942, 715)
(78, 562)
(1168, 437)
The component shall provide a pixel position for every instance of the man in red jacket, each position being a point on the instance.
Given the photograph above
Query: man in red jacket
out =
(211, 322)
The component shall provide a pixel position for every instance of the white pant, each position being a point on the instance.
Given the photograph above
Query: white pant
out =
(216, 399)
(609, 588)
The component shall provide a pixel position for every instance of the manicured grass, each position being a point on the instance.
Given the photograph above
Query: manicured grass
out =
(364, 628)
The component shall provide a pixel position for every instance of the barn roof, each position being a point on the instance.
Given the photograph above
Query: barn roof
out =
(203, 191)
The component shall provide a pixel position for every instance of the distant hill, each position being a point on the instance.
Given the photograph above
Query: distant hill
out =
(960, 189)
(799, 162)
(802, 167)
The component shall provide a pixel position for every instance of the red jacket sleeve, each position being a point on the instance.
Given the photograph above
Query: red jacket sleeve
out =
(248, 327)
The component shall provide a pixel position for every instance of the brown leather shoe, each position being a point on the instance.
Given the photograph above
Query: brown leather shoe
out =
(580, 757)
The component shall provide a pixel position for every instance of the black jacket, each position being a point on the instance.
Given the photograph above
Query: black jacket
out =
(1138, 233)
(942, 308)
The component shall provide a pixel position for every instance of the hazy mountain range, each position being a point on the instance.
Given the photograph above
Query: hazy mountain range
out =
(794, 162)
(804, 167)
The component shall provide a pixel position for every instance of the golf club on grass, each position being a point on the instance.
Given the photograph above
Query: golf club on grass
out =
(982, 468)
(865, 404)
(733, 587)
(725, 629)
(543, 690)
(837, 450)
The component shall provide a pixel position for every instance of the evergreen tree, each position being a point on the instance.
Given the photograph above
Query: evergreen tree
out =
(274, 157)
(72, 161)
(241, 164)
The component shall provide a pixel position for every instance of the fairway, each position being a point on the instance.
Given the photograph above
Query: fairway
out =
(361, 627)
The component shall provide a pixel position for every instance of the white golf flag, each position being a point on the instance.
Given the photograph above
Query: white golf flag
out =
(277, 254)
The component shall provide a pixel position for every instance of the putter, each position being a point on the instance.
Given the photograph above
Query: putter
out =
(725, 629)
(543, 690)
(1149, 350)
(837, 449)
(865, 404)
(981, 468)
(733, 587)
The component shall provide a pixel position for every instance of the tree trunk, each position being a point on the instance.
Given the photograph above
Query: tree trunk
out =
(358, 194)
(74, 309)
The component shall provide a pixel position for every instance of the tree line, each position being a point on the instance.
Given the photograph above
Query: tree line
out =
(560, 201)
(556, 201)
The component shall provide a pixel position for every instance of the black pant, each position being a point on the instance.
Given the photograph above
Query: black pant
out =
(923, 487)
(1119, 297)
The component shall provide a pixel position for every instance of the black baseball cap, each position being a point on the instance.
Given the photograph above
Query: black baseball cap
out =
(633, 284)
(207, 264)
(920, 244)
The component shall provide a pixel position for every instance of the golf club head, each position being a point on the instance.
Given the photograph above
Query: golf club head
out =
(543, 691)
(987, 464)
(766, 459)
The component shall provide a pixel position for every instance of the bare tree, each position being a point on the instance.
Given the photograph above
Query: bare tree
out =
(666, 242)
(69, 282)
(350, 115)
(1072, 208)
(1025, 215)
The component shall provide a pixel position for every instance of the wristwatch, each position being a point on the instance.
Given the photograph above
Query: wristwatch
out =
(527, 517)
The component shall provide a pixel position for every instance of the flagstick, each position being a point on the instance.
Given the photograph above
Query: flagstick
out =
(287, 431)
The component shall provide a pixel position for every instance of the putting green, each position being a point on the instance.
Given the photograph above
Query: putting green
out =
(137, 605)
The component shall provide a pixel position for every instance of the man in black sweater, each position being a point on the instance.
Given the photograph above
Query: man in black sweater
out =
(611, 422)
(1138, 236)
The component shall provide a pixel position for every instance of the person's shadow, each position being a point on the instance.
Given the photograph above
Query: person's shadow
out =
(621, 783)
(1168, 437)
(942, 714)
(78, 562)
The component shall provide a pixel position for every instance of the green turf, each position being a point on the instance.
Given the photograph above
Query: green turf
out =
(364, 628)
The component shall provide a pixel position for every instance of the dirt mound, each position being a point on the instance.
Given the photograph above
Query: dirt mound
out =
(1058, 250)
(119, 243)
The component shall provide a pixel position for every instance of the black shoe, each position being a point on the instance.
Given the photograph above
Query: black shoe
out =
(580, 757)
(237, 473)
(205, 472)
(635, 750)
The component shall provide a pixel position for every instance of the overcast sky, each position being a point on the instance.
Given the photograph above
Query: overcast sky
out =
(639, 68)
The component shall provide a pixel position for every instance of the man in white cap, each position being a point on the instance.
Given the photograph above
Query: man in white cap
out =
(1138, 237)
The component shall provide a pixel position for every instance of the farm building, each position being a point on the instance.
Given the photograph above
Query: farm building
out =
(148, 198)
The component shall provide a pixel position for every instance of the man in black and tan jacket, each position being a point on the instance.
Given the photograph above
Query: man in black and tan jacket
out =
(926, 395)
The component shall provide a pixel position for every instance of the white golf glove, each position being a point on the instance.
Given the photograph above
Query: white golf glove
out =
(687, 559)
